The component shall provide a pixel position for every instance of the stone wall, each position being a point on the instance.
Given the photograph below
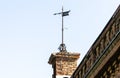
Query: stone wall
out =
(107, 40)
(65, 66)
(112, 67)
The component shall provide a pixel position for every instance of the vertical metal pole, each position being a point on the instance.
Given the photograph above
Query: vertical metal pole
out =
(62, 47)
(62, 28)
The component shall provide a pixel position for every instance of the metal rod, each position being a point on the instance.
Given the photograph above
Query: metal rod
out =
(62, 27)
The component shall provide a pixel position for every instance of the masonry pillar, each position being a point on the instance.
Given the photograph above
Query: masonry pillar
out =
(63, 63)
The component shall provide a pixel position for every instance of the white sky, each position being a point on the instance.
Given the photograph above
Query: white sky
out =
(29, 32)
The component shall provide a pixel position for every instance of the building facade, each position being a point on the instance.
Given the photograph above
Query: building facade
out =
(103, 58)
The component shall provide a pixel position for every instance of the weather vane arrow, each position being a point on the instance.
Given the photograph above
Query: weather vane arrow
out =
(66, 13)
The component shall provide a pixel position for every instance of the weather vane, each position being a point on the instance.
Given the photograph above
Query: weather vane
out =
(62, 46)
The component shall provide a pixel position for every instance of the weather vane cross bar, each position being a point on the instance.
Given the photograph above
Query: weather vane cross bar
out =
(62, 46)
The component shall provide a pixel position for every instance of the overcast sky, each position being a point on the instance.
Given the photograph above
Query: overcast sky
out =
(29, 32)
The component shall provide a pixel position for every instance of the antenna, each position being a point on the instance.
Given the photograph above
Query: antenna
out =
(62, 46)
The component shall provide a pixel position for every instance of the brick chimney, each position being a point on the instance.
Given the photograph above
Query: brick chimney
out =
(63, 64)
